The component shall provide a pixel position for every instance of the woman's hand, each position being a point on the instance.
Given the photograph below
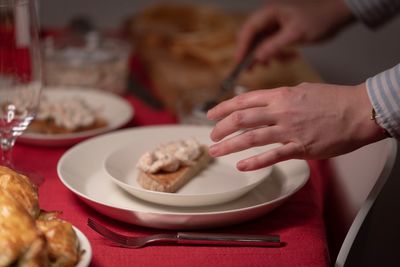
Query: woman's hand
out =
(291, 22)
(311, 121)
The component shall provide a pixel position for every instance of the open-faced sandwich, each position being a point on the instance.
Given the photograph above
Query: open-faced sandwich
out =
(172, 165)
(67, 115)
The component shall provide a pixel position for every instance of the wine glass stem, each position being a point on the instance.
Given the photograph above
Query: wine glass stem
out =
(6, 151)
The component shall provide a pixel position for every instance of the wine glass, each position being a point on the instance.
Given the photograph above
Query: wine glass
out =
(20, 72)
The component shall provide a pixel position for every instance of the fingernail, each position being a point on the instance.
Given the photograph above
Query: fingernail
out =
(211, 114)
(242, 166)
(213, 138)
(213, 151)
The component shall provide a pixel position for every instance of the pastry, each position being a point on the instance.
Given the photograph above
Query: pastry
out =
(21, 243)
(30, 236)
(22, 190)
(63, 245)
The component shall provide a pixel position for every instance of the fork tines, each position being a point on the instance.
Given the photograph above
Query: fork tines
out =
(107, 233)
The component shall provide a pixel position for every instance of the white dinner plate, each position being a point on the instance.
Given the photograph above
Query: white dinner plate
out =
(219, 182)
(85, 247)
(81, 170)
(113, 108)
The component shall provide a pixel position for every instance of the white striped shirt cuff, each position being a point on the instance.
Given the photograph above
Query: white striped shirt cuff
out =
(384, 93)
(374, 12)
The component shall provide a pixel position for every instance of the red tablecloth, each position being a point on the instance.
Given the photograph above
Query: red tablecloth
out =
(299, 221)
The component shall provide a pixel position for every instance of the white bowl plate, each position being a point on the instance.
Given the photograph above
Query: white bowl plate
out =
(220, 182)
(81, 171)
(86, 247)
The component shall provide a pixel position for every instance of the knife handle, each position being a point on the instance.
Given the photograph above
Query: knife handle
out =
(228, 239)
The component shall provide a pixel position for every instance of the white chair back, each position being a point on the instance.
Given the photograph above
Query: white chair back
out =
(357, 179)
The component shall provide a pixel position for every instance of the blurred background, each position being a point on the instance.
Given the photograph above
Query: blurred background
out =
(348, 58)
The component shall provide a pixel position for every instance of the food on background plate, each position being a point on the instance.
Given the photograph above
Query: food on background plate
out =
(172, 165)
(69, 115)
(30, 236)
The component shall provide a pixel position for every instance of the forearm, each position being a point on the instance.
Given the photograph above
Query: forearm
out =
(384, 93)
(374, 12)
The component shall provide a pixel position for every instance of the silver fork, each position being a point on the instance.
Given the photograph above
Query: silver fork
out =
(187, 238)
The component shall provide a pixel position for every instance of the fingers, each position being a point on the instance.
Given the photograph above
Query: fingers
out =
(287, 55)
(251, 99)
(241, 119)
(275, 43)
(278, 34)
(250, 138)
(270, 157)
(257, 23)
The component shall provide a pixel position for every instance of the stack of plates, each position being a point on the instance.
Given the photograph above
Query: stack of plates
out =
(102, 172)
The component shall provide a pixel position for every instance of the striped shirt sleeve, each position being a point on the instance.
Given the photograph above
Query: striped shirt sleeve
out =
(384, 93)
(374, 12)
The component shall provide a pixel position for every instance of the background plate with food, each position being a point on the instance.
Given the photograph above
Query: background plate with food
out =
(68, 115)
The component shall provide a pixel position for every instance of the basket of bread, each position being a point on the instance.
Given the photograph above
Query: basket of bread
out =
(191, 47)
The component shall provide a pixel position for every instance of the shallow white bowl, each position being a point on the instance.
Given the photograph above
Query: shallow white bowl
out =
(220, 182)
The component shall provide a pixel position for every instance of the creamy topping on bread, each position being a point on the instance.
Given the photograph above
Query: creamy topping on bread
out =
(70, 113)
(171, 156)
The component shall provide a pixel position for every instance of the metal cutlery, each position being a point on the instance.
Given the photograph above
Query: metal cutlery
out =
(229, 83)
(187, 238)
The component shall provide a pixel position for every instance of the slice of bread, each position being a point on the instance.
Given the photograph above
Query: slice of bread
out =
(172, 181)
(50, 127)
